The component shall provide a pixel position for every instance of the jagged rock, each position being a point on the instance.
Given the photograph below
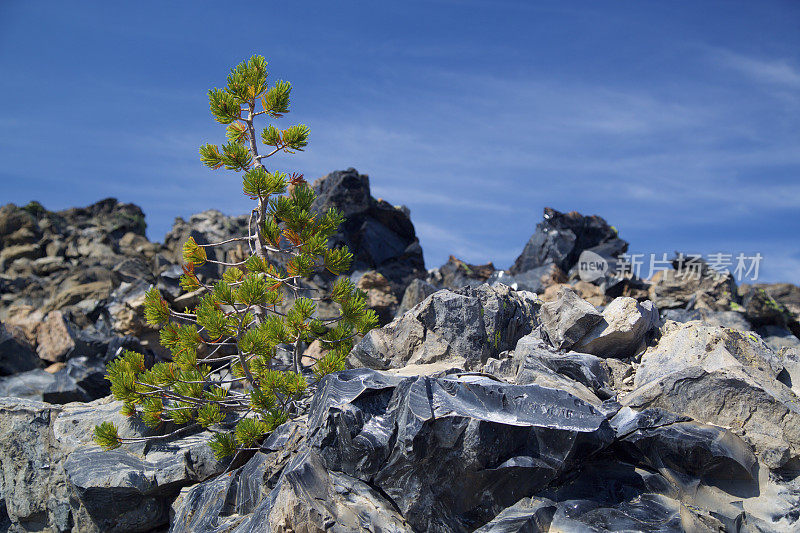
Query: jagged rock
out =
(533, 354)
(380, 235)
(693, 344)
(587, 291)
(81, 380)
(778, 338)
(667, 442)
(449, 451)
(697, 287)
(568, 319)
(17, 226)
(16, 355)
(468, 325)
(54, 478)
(456, 274)
(415, 293)
(208, 227)
(561, 237)
(726, 319)
(33, 485)
(623, 329)
(223, 503)
(29, 385)
(309, 497)
(9, 254)
(763, 411)
(785, 294)
(55, 338)
(536, 279)
(761, 309)
(380, 297)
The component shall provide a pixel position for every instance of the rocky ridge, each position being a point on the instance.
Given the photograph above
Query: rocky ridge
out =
(493, 401)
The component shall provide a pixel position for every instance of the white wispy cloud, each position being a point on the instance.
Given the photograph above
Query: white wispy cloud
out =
(759, 69)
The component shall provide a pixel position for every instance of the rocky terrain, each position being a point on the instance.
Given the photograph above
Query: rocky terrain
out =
(526, 400)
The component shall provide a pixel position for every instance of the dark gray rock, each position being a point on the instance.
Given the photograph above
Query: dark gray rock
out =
(535, 280)
(451, 452)
(380, 235)
(55, 478)
(81, 380)
(414, 294)
(468, 325)
(457, 273)
(761, 309)
(662, 440)
(15, 354)
(561, 237)
(222, 503)
(29, 385)
(588, 370)
(568, 319)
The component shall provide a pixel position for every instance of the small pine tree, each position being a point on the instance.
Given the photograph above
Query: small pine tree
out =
(224, 361)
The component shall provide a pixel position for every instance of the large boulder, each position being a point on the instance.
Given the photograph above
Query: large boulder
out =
(561, 237)
(55, 478)
(568, 319)
(710, 347)
(466, 326)
(760, 409)
(692, 284)
(450, 451)
(463, 452)
(380, 235)
(623, 329)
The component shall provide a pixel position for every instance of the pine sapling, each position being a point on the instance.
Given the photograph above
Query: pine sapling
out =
(224, 353)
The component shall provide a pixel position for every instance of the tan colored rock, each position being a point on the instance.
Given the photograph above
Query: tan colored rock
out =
(312, 354)
(96, 290)
(671, 289)
(55, 367)
(54, 338)
(19, 251)
(27, 319)
(380, 296)
(587, 291)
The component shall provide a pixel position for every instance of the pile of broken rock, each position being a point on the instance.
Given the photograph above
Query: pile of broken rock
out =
(489, 401)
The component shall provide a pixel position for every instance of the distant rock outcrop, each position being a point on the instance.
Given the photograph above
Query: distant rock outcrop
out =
(482, 406)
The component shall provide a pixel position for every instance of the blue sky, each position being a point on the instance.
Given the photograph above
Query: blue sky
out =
(678, 122)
